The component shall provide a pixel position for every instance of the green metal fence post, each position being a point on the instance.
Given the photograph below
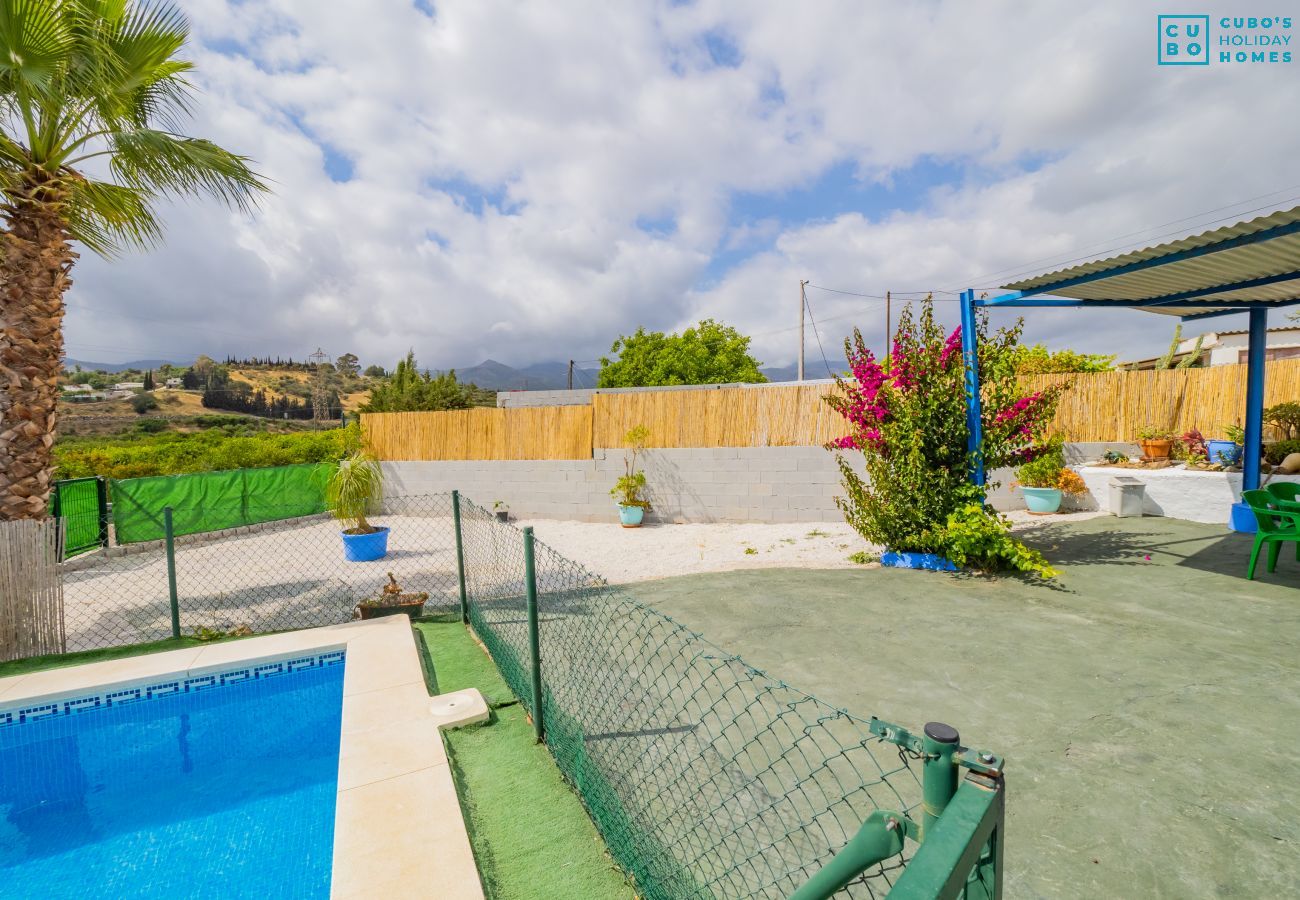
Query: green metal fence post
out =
(171, 571)
(460, 557)
(939, 772)
(534, 634)
(101, 501)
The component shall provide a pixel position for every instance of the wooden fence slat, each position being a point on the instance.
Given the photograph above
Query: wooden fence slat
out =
(31, 590)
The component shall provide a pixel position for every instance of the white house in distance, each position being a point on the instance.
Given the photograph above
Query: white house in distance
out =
(129, 386)
(1222, 348)
(173, 383)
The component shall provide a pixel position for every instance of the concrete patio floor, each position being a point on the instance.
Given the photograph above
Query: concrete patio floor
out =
(1148, 703)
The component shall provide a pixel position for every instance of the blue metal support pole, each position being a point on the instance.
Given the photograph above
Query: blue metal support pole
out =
(970, 358)
(1254, 398)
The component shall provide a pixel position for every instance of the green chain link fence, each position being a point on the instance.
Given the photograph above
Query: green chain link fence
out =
(82, 503)
(286, 572)
(706, 777)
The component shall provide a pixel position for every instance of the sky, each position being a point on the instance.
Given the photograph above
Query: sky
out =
(526, 181)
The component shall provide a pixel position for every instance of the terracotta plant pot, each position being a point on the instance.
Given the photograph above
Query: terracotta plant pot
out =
(1156, 449)
(413, 607)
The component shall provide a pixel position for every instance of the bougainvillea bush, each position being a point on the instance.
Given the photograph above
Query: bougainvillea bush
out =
(908, 417)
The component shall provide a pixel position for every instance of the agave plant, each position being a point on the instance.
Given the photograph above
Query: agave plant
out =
(355, 488)
(92, 97)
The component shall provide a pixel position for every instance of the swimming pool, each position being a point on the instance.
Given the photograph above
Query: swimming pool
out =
(220, 784)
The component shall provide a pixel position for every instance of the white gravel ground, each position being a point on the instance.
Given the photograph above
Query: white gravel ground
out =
(660, 551)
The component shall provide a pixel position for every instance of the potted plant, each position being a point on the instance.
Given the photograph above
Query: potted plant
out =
(1227, 452)
(501, 510)
(1156, 443)
(1045, 480)
(353, 490)
(628, 490)
(392, 601)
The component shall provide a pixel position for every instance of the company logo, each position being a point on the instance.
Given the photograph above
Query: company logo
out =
(1183, 40)
(1186, 40)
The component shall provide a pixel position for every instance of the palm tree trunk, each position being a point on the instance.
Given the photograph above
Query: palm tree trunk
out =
(35, 259)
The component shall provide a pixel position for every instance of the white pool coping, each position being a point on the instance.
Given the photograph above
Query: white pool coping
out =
(398, 828)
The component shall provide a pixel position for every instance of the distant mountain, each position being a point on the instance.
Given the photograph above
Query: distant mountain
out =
(551, 376)
(495, 376)
(140, 364)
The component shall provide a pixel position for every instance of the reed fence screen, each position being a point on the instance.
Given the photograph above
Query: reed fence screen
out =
(1105, 406)
(538, 432)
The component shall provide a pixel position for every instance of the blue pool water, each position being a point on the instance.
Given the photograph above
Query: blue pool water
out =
(215, 786)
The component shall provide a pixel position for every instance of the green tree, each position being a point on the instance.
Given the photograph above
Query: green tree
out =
(410, 390)
(708, 353)
(148, 380)
(94, 94)
(348, 365)
(1038, 360)
(374, 372)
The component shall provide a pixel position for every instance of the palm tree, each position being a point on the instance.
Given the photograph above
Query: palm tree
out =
(92, 95)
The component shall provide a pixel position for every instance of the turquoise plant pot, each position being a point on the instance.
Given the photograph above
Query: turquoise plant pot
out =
(631, 516)
(1042, 500)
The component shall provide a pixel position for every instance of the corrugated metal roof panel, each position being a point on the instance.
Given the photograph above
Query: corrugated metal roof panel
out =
(1274, 256)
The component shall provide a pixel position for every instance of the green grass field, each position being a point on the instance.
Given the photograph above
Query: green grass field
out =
(531, 837)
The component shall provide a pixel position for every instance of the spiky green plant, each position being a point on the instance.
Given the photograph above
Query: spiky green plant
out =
(355, 488)
(92, 97)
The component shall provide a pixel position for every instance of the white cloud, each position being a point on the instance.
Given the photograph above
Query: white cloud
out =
(503, 157)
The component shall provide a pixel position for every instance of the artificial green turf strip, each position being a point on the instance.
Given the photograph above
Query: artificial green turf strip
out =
(531, 837)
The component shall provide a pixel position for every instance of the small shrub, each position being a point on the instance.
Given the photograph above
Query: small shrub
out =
(142, 403)
(751, 551)
(1070, 482)
(1285, 417)
(151, 426)
(863, 557)
(1044, 469)
(978, 538)
(1278, 451)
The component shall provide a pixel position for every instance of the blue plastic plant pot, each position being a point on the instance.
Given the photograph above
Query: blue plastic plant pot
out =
(1242, 519)
(1042, 500)
(931, 561)
(365, 547)
(1224, 453)
(631, 516)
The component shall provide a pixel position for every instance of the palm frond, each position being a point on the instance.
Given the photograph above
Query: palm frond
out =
(34, 44)
(109, 218)
(167, 164)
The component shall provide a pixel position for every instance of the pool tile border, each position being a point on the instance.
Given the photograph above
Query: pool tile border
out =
(12, 714)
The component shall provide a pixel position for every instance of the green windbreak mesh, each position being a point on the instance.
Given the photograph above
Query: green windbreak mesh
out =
(77, 502)
(706, 777)
(211, 501)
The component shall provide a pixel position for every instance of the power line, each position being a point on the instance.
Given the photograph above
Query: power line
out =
(813, 321)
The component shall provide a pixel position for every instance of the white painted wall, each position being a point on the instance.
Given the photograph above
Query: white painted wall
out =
(1196, 496)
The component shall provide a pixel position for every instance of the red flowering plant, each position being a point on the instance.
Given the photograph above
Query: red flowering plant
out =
(907, 416)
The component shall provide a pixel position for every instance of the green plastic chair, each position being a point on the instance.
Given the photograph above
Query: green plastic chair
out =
(1284, 493)
(1276, 527)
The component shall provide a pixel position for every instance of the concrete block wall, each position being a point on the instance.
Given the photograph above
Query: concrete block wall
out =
(728, 484)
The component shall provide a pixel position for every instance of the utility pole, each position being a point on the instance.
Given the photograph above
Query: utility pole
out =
(803, 305)
(570, 374)
(888, 342)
